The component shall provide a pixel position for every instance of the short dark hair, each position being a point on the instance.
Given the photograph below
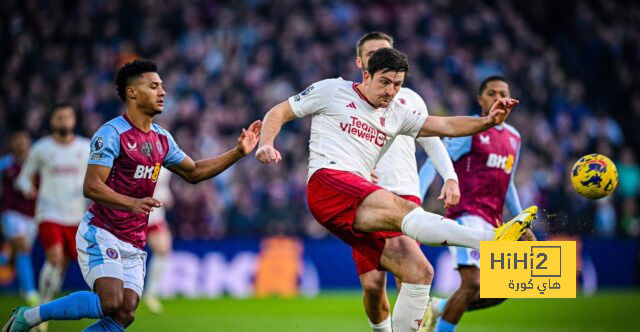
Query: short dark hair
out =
(130, 71)
(374, 35)
(388, 59)
(489, 79)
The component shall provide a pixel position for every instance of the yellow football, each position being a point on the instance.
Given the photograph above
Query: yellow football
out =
(594, 176)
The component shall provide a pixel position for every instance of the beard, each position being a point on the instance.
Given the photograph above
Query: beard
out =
(62, 131)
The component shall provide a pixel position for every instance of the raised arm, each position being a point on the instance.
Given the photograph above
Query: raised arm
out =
(456, 126)
(196, 171)
(272, 123)
(25, 180)
(95, 188)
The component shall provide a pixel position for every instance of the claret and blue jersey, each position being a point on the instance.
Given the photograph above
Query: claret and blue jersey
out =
(485, 164)
(135, 159)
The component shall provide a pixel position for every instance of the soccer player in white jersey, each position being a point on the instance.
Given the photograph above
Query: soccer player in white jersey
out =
(60, 161)
(159, 241)
(352, 125)
(397, 172)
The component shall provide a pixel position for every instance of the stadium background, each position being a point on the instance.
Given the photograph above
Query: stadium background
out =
(573, 64)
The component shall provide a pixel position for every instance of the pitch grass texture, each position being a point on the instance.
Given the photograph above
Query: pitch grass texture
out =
(342, 311)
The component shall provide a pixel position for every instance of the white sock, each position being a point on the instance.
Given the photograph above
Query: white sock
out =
(384, 326)
(156, 272)
(50, 282)
(432, 229)
(32, 316)
(410, 307)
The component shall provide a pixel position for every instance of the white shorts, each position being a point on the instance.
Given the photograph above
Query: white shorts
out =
(468, 256)
(15, 224)
(101, 254)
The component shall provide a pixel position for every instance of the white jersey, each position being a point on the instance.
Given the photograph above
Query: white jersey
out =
(347, 133)
(397, 170)
(164, 195)
(61, 169)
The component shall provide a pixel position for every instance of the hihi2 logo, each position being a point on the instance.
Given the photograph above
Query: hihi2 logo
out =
(528, 269)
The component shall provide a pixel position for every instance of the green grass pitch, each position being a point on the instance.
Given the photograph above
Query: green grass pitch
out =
(342, 311)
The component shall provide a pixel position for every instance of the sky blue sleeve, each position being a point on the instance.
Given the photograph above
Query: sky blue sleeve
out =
(512, 200)
(458, 146)
(5, 162)
(174, 155)
(105, 146)
(426, 175)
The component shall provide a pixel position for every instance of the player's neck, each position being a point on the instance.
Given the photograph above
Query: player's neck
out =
(139, 120)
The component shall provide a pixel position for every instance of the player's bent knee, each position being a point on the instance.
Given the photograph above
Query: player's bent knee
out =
(125, 317)
(111, 301)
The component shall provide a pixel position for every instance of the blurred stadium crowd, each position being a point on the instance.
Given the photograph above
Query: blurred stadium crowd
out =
(571, 64)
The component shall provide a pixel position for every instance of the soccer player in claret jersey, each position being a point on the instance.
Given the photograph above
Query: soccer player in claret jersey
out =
(485, 163)
(397, 172)
(18, 225)
(126, 156)
(352, 125)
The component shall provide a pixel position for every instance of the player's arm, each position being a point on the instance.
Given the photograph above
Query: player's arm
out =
(455, 147)
(200, 170)
(95, 188)
(25, 182)
(456, 126)
(512, 200)
(439, 157)
(272, 123)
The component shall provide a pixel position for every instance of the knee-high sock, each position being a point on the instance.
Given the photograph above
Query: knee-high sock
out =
(24, 270)
(432, 229)
(73, 306)
(410, 307)
(106, 324)
(384, 326)
(156, 271)
(50, 281)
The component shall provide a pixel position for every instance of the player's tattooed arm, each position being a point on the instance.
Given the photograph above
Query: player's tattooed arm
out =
(95, 188)
(457, 126)
(273, 122)
(196, 171)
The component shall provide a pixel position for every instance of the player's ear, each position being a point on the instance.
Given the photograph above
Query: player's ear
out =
(359, 62)
(131, 92)
(366, 76)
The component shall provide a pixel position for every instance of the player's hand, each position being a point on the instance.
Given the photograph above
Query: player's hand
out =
(500, 110)
(268, 154)
(145, 205)
(374, 177)
(249, 137)
(450, 193)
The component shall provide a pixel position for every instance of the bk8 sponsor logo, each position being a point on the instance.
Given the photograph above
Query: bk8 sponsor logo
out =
(502, 162)
(147, 172)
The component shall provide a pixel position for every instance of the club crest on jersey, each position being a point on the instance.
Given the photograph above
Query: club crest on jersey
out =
(147, 172)
(147, 149)
(112, 253)
(502, 162)
(382, 121)
(159, 146)
(97, 144)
